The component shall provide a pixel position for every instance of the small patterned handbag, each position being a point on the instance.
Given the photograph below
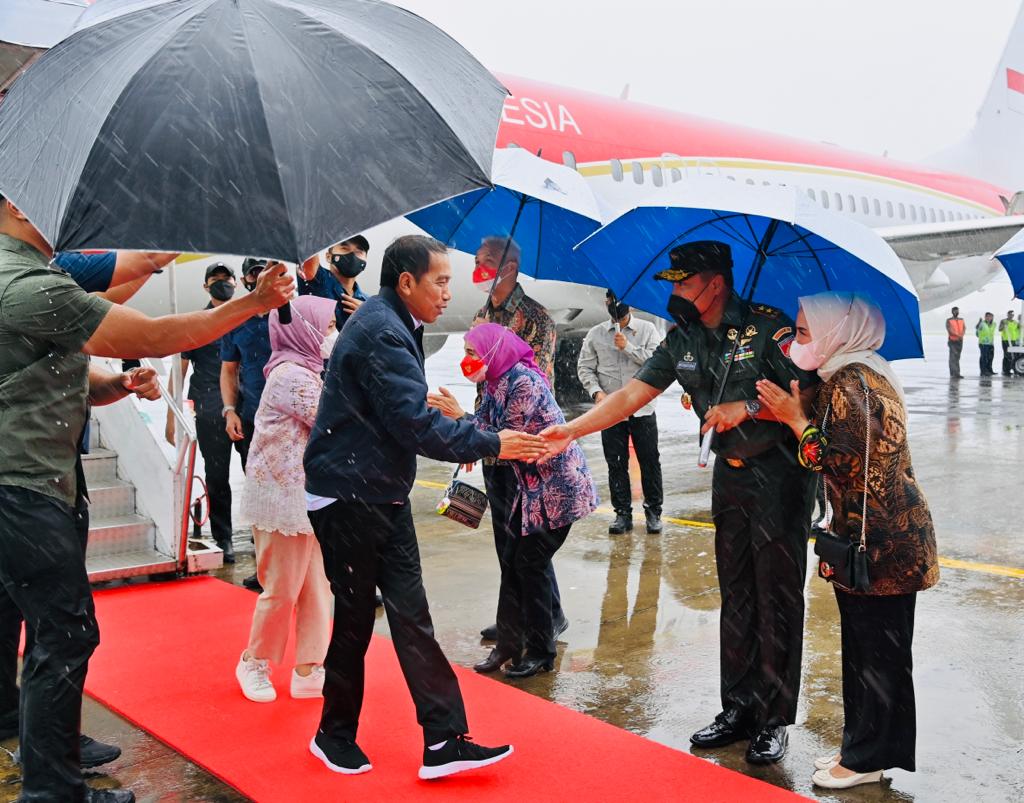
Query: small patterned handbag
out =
(462, 502)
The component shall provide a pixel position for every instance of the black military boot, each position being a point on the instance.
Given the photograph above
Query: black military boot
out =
(623, 523)
(654, 525)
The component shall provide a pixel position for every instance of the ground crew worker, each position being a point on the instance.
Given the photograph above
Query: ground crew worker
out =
(955, 328)
(1010, 331)
(985, 329)
(761, 500)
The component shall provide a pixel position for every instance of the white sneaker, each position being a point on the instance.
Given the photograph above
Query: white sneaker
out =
(254, 678)
(304, 688)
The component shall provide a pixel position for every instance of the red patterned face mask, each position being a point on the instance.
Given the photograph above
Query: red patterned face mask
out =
(483, 276)
(474, 369)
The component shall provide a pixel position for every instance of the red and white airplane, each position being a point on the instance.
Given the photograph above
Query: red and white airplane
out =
(944, 225)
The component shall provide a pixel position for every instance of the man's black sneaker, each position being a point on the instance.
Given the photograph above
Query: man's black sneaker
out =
(109, 795)
(91, 753)
(346, 758)
(252, 582)
(457, 755)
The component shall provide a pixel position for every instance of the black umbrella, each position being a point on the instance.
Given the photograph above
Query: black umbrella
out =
(268, 127)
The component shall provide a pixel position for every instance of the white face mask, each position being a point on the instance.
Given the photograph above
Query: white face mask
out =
(327, 346)
(805, 356)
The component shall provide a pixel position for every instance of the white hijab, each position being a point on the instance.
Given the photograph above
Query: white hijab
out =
(847, 328)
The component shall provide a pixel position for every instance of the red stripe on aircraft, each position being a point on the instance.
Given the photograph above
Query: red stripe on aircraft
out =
(1015, 80)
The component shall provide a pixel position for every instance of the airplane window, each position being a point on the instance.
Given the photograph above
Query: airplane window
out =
(731, 178)
(616, 169)
(922, 213)
(839, 202)
(851, 204)
(863, 205)
(931, 215)
(677, 175)
(750, 181)
(913, 212)
(903, 211)
(569, 159)
(824, 199)
(811, 194)
(766, 183)
(888, 208)
(878, 207)
(942, 215)
(638, 172)
(658, 177)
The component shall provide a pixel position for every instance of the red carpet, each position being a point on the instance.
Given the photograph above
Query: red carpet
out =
(167, 663)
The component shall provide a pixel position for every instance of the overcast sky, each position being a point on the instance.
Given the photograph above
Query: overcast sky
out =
(905, 76)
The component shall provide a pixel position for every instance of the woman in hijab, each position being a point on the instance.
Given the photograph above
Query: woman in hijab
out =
(289, 563)
(552, 495)
(859, 415)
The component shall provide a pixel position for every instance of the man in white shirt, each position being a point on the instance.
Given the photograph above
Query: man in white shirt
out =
(612, 353)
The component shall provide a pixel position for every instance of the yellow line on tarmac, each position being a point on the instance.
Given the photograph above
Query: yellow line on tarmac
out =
(948, 563)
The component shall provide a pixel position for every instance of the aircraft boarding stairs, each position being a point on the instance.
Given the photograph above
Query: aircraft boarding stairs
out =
(138, 524)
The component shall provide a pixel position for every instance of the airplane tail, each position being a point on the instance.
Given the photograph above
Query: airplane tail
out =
(994, 148)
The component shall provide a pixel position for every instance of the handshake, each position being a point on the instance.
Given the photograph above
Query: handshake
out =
(515, 445)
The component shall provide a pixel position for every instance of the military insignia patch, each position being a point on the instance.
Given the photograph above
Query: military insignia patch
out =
(743, 352)
(768, 312)
(785, 344)
(688, 363)
(785, 330)
(750, 331)
(732, 334)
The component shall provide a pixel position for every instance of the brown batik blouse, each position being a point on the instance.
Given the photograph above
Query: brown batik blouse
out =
(902, 555)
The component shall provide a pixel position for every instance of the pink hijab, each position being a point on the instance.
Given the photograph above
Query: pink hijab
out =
(501, 349)
(299, 341)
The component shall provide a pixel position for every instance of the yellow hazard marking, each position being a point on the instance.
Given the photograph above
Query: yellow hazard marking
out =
(948, 563)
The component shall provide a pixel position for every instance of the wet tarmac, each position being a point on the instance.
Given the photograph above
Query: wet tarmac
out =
(642, 649)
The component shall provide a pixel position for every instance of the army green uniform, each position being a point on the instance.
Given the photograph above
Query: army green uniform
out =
(761, 503)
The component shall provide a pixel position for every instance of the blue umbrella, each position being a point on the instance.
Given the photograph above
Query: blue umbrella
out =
(546, 207)
(783, 244)
(1011, 257)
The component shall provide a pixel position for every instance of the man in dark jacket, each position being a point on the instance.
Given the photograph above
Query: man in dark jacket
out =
(360, 467)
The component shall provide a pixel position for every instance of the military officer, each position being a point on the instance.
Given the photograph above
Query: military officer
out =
(761, 500)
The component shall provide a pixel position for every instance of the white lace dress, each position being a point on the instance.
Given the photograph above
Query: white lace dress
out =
(274, 497)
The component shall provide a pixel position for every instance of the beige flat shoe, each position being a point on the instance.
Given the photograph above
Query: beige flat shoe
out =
(826, 780)
(827, 762)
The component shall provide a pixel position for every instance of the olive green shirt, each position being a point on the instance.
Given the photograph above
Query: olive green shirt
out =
(45, 319)
(697, 358)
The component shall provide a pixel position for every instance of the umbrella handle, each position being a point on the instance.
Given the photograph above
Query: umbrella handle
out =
(284, 313)
(705, 449)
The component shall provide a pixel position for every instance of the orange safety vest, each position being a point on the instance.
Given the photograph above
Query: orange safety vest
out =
(955, 328)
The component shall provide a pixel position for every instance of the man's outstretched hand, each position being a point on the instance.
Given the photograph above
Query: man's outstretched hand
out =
(521, 446)
(556, 440)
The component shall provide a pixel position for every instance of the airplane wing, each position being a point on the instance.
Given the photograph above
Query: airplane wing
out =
(940, 242)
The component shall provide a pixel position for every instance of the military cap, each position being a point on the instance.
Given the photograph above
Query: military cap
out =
(689, 259)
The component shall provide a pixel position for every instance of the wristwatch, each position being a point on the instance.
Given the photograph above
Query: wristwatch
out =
(753, 408)
(230, 408)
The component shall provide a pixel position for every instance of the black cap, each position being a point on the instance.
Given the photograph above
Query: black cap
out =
(250, 264)
(689, 259)
(218, 267)
(359, 241)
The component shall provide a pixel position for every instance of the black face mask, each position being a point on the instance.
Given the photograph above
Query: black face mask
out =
(618, 310)
(683, 311)
(348, 265)
(221, 290)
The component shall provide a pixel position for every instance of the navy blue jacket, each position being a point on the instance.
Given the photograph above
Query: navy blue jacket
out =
(373, 418)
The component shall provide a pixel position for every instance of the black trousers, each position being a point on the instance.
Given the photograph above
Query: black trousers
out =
(987, 355)
(762, 517)
(502, 491)
(1007, 359)
(216, 446)
(879, 714)
(955, 347)
(615, 440)
(43, 580)
(374, 546)
(525, 600)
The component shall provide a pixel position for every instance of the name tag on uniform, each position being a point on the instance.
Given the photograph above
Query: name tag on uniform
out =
(688, 363)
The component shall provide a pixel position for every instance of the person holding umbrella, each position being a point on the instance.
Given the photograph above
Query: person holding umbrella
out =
(857, 438)
(761, 498)
(48, 328)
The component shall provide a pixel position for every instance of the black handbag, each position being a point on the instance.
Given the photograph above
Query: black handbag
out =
(843, 562)
(462, 502)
